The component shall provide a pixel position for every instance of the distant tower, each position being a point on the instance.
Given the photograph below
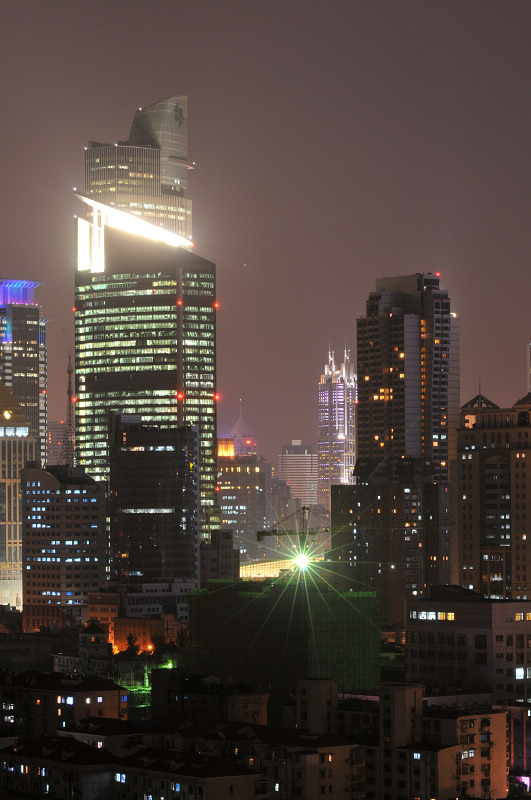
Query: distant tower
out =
(68, 445)
(336, 449)
(247, 493)
(23, 366)
(297, 465)
(244, 443)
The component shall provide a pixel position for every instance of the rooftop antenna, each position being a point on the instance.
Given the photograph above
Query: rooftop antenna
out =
(69, 443)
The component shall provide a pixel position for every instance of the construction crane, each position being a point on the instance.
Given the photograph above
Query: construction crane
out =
(302, 533)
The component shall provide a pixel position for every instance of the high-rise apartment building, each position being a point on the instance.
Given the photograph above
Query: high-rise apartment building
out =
(493, 487)
(147, 175)
(297, 465)
(246, 496)
(154, 501)
(17, 446)
(64, 545)
(23, 366)
(398, 537)
(145, 336)
(408, 374)
(336, 447)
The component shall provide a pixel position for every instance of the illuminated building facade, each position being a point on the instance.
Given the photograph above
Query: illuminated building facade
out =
(407, 417)
(336, 448)
(18, 447)
(297, 465)
(493, 477)
(23, 352)
(154, 501)
(145, 333)
(147, 175)
(64, 545)
(246, 497)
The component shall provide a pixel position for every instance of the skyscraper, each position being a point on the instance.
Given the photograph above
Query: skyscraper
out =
(336, 447)
(145, 336)
(17, 446)
(147, 175)
(408, 374)
(408, 412)
(23, 352)
(154, 500)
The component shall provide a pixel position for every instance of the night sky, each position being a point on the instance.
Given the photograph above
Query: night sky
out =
(334, 143)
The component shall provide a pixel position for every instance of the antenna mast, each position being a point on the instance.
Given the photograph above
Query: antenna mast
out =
(69, 442)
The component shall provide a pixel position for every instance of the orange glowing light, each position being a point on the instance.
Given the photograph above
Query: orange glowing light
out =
(215, 305)
(180, 395)
(179, 302)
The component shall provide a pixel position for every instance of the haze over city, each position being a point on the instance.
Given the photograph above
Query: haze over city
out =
(333, 145)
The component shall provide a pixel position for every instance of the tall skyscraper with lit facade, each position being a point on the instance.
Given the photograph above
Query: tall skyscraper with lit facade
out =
(23, 366)
(336, 447)
(17, 447)
(145, 336)
(396, 535)
(147, 175)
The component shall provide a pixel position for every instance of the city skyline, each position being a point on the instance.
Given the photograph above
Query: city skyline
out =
(418, 117)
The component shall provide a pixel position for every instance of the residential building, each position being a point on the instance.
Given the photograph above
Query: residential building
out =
(145, 337)
(64, 547)
(336, 447)
(23, 367)
(174, 695)
(147, 175)
(219, 558)
(493, 488)
(457, 640)
(297, 465)
(56, 700)
(19, 447)
(153, 500)
(436, 751)
(36, 767)
(407, 414)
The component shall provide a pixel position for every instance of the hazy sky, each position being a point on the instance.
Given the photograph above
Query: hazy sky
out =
(335, 143)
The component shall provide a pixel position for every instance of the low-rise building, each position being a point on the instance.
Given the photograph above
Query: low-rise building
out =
(35, 703)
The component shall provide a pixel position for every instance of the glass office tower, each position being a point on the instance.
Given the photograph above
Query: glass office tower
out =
(147, 175)
(145, 336)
